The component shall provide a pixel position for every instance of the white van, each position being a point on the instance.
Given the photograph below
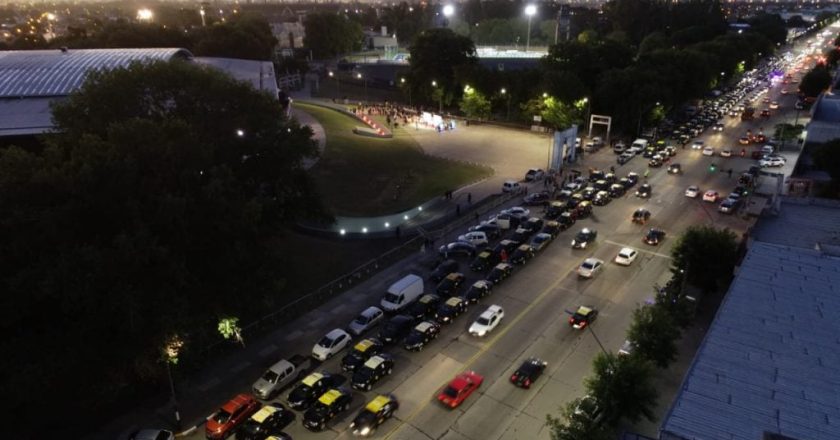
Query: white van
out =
(402, 293)
(641, 144)
(511, 186)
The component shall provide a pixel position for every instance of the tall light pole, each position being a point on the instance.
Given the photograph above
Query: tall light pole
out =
(360, 76)
(337, 82)
(530, 10)
(402, 81)
(504, 93)
(440, 97)
(448, 10)
(202, 13)
(171, 350)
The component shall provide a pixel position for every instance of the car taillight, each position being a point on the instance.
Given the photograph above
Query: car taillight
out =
(527, 382)
(513, 377)
(571, 320)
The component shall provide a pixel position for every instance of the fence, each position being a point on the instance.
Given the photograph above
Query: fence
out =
(289, 82)
(362, 273)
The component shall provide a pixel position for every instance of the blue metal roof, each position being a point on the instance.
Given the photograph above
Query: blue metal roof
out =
(801, 223)
(45, 73)
(769, 360)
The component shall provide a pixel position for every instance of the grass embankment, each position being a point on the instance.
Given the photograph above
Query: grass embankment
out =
(362, 176)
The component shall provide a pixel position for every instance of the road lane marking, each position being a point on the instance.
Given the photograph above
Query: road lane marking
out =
(639, 250)
(490, 343)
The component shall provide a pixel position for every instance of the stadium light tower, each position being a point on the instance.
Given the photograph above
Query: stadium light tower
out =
(448, 10)
(530, 10)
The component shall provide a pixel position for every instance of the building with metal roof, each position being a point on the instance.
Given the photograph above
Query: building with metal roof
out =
(768, 363)
(31, 80)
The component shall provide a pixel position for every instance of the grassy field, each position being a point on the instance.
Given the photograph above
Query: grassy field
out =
(361, 176)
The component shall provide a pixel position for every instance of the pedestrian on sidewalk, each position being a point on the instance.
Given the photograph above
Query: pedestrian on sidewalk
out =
(730, 173)
(469, 197)
(647, 173)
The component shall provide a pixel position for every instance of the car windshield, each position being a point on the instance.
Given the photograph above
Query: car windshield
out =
(391, 298)
(450, 392)
(579, 317)
(624, 254)
(361, 319)
(221, 417)
(326, 341)
(270, 376)
(251, 427)
(482, 321)
(301, 392)
(582, 236)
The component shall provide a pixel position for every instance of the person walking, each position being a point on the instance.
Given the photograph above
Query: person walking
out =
(647, 173)
(503, 256)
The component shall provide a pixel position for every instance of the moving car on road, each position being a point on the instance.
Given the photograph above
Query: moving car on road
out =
(375, 413)
(487, 321)
(626, 256)
(590, 267)
(710, 196)
(692, 191)
(654, 236)
(644, 191)
(584, 238)
(528, 372)
(640, 216)
(584, 316)
(708, 151)
(460, 388)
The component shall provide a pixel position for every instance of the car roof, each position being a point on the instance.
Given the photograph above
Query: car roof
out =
(364, 344)
(334, 333)
(454, 301)
(454, 276)
(592, 260)
(330, 396)
(312, 378)
(626, 250)
(427, 298)
(377, 403)
(374, 361)
(583, 310)
(371, 311)
(524, 247)
(491, 310)
(423, 326)
(264, 413)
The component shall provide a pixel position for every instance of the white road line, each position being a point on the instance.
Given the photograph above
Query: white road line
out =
(638, 249)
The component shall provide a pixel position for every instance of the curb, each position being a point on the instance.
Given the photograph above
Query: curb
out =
(190, 430)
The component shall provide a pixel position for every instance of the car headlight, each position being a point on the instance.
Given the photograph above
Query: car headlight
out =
(365, 431)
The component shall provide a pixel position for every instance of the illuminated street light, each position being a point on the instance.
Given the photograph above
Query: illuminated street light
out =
(202, 13)
(530, 10)
(145, 14)
(448, 10)
(240, 132)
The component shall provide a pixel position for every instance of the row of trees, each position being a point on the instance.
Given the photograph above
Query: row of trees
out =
(622, 385)
(151, 208)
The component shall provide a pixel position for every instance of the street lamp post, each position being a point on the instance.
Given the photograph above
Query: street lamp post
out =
(504, 92)
(530, 10)
(362, 77)
(402, 81)
(337, 82)
(440, 98)
(171, 350)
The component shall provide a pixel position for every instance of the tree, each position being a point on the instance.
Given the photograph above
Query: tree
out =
(329, 34)
(150, 212)
(654, 334)
(707, 255)
(436, 55)
(574, 424)
(832, 57)
(815, 81)
(623, 388)
(557, 114)
(654, 41)
(475, 105)
(248, 37)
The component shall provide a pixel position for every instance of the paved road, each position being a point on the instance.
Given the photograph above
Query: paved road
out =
(534, 299)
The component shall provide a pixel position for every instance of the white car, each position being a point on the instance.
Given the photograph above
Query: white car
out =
(626, 256)
(708, 151)
(710, 196)
(590, 267)
(488, 320)
(366, 320)
(518, 211)
(335, 341)
(692, 191)
(697, 145)
(774, 105)
(771, 162)
(726, 152)
(476, 238)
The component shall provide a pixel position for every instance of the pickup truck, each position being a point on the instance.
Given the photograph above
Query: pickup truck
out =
(281, 374)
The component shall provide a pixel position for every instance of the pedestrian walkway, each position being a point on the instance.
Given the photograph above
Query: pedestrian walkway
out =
(318, 133)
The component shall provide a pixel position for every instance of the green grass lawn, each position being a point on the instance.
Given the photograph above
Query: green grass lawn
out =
(362, 176)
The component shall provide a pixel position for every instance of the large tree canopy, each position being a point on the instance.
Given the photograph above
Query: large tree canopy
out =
(147, 214)
(438, 55)
(329, 34)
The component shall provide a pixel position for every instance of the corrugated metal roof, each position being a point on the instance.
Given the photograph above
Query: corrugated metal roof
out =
(45, 73)
(801, 223)
(769, 362)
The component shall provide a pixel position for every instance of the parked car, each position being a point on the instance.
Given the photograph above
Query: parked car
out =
(534, 174)
(478, 290)
(279, 375)
(361, 352)
(537, 198)
(489, 229)
(552, 228)
(522, 254)
(443, 269)
(499, 273)
(424, 307)
(728, 206)
(540, 241)
(475, 238)
(366, 320)
(372, 371)
(451, 309)
(451, 285)
(225, 421)
(309, 389)
(269, 419)
(484, 260)
(331, 344)
(456, 248)
(396, 329)
(332, 403)
(421, 335)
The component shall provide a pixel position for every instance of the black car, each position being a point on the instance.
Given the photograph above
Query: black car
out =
(528, 372)
(443, 269)
(583, 209)
(424, 307)
(655, 162)
(533, 225)
(309, 389)
(507, 245)
(537, 198)
(741, 191)
(654, 236)
(633, 178)
(551, 228)
(596, 175)
(616, 190)
(521, 235)
(492, 231)
(584, 238)
(396, 329)
(602, 185)
(484, 260)
(451, 285)
(522, 254)
(372, 371)
(478, 290)
(270, 418)
(421, 335)
(584, 316)
(674, 168)
(601, 199)
(644, 191)
(375, 413)
(361, 352)
(589, 193)
(451, 309)
(554, 210)
(456, 248)
(329, 405)
(641, 215)
(499, 273)
(626, 183)
(566, 220)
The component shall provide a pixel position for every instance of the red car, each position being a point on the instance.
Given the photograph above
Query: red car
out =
(460, 388)
(232, 414)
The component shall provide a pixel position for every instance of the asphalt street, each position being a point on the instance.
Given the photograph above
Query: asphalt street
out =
(535, 299)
